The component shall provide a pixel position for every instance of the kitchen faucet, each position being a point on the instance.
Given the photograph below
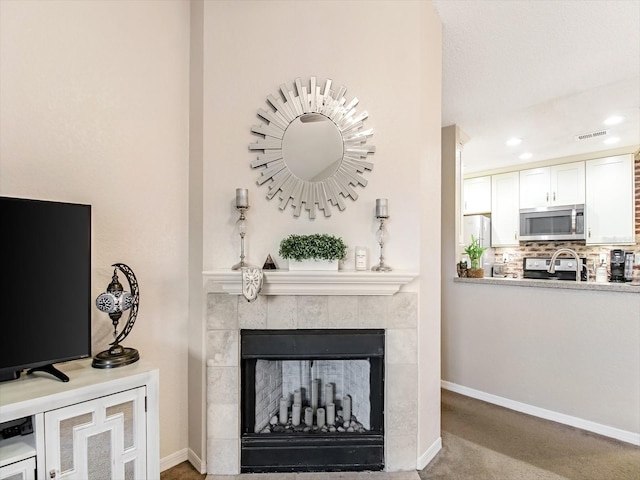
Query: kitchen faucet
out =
(552, 262)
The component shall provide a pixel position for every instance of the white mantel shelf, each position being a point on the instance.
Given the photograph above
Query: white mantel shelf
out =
(285, 282)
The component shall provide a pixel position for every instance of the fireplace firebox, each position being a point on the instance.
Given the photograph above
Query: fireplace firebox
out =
(312, 400)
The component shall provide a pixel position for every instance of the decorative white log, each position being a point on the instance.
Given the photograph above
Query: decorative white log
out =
(331, 413)
(308, 416)
(328, 393)
(320, 417)
(295, 414)
(346, 408)
(284, 411)
(315, 385)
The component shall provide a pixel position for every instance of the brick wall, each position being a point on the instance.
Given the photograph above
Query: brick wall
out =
(268, 391)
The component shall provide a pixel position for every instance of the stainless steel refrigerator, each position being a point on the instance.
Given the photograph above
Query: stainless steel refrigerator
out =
(480, 227)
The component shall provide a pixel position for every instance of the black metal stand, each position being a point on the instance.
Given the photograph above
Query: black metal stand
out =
(51, 370)
(116, 356)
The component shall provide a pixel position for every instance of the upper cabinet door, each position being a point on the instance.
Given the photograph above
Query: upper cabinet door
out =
(567, 184)
(556, 185)
(609, 205)
(534, 187)
(505, 216)
(477, 195)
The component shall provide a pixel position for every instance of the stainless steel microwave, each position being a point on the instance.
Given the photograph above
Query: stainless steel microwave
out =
(552, 223)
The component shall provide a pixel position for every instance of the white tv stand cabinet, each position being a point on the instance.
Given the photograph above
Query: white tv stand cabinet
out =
(103, 423)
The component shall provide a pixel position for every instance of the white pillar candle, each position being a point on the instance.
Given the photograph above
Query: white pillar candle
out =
(331, 413)
(328, 393)
(297, 397)
(320, 417)
(382, 207)
(284, 411)
(308, 416)
(242, 197)
(346, 408)
(295, 414)
(315, 384)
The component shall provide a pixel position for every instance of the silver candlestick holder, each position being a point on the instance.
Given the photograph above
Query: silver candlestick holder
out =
(380, 236)
(241, 225)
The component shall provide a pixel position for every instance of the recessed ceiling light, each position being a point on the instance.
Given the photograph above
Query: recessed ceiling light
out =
(512, 142)
(526, 156)
(612, 140)
(614, 120)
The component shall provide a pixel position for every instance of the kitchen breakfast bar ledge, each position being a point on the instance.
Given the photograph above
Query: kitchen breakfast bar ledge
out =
(285, 282)
(632, 287)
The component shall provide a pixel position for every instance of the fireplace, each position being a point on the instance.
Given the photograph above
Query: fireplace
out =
(227, 316)
(312, 400)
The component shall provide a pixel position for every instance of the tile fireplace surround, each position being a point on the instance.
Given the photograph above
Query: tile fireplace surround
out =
(227, 313)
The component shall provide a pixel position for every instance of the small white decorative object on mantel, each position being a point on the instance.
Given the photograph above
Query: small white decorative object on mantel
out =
(251, 282)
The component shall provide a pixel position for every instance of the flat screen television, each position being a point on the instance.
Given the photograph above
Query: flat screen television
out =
(45, 261)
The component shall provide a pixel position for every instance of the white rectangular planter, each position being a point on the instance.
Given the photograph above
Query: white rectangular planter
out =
(295, 265)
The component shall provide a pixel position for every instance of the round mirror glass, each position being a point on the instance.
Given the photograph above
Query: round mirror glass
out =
(312, 147)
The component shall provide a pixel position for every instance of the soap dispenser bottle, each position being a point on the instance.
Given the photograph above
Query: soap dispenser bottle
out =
(601, 273)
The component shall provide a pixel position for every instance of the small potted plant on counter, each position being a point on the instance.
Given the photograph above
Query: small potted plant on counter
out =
(474, 251)
(313, 252)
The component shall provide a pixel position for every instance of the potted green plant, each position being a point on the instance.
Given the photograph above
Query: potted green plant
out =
(475, 251)
(313, 252)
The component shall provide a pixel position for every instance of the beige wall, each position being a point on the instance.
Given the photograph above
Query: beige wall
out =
(93, 109)
(387, 53)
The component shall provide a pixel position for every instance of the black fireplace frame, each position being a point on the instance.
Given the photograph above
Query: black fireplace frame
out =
(312, 452)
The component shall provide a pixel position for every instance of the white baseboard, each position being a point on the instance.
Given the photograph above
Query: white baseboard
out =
(174, 459)
(186, 454)
(605, 430)
(430, 454)
(197, 462)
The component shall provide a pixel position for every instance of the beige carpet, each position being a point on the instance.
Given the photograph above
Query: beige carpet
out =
(485, 442)
(482, 441)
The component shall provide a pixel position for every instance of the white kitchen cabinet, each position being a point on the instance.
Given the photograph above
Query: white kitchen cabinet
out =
(477, 195)
(505, 213)
(102, 424)
(609, 204)
(562, 184)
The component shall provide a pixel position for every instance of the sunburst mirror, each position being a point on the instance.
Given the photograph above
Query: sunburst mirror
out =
(312, 148)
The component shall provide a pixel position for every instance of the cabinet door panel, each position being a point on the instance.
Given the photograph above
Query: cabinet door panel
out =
(23, 470)
(567, 184)
(505, 214)
(534, 187)
(477, 195)
(100, 439)
(609, 200)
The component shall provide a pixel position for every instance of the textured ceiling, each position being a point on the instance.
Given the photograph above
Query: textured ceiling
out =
(541, 70)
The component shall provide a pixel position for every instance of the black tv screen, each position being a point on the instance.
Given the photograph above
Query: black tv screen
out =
(46, 284)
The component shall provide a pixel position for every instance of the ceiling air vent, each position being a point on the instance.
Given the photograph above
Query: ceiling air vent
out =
(587, 136)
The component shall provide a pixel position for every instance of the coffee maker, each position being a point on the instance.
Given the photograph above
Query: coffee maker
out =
(618, 258)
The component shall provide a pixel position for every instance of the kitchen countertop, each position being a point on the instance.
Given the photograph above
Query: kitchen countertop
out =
(632, 287)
